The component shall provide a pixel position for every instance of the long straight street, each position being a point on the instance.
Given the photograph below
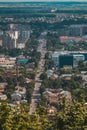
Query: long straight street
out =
(36, 94)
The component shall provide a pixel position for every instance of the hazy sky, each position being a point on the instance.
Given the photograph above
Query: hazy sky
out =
(38, 0)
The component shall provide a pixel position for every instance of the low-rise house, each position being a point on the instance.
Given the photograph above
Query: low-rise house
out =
(57, 96)
(27, 80)
(12, 105)
(23, 101)
(10, 73)
(2, 87)
(67, 95)
(3, 97)
(20, 90)
(6, 62)
(49, 73)
(52, 110)
(16, 97)
(83, 72)
(20, 45)
(19, 93)
(84, 77)
(55, 76)
(66, 76)
(65, 39)
(54, 90)
(51, 97)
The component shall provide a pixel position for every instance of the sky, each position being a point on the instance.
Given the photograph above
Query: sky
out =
(39, 0)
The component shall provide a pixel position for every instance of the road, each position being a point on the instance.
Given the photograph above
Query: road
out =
(36, 94)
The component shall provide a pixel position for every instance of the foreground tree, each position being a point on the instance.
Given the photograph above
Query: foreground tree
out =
(71, 117)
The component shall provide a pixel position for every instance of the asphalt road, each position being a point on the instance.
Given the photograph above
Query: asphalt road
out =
(36, 94)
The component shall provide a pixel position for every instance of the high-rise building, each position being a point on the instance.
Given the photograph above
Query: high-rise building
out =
(55, 58)
(15, 39)
(67, 59)
(77, 58)
(78, 30)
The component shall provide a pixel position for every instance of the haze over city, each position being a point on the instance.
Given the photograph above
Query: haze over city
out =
(43, 64)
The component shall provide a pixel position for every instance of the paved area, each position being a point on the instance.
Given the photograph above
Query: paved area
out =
(36, 94)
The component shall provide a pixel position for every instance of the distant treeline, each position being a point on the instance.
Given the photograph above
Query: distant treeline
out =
(44, 25)
(72, 11)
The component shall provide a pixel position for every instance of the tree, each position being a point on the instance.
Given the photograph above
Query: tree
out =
(42, 89)
(43, 76)
(71, 117)
(81, 64)
(5, 117)
(47, 55)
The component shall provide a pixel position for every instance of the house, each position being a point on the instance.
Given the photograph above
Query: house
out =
(67, 95)
(28, 80)
(66, 76)
(83, 72)
(49, 73)
(12, 105)
(65, 39)
(84, 77)
(20, 90)
(56, 96)
(19, 93)
(52, 110)
(51, 97)
(6, 62)
(54, 90)
(16, 97)
(2, 87)
(23, 101)
(3, 97)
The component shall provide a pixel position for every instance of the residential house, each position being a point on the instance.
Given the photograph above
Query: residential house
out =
(57, 96)
(16, 97)
(3, 97)
(2, 87)
(52, 110)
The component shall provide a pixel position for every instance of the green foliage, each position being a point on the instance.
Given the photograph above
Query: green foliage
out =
(41, 110)
(14, 52)
(49, 64)
(11, 52)
(47, 55)
(32, 43)
(29, 88)
(53, 42)
(43, 76)
(42, 89)
(72, 117)
(53, 83)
